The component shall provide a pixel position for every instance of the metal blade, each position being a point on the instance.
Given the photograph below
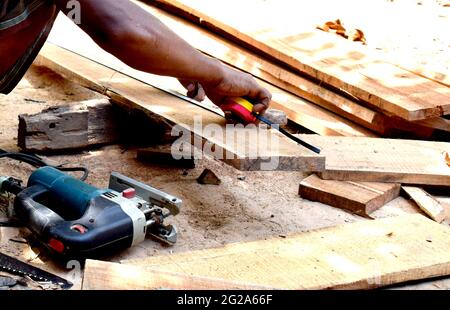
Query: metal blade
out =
(15, 266)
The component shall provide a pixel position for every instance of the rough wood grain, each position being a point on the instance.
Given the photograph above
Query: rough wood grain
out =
(233, 54)
(383, 160)
(331, 60)
(235, 146)
(301, 111)
(361, 198)
(100, 275)
(360, 255)
(77, 125)
(426, 203)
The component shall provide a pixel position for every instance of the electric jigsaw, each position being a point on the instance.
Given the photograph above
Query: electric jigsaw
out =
(75, 219)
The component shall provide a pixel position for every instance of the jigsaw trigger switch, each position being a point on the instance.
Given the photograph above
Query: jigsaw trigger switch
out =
(129, 193)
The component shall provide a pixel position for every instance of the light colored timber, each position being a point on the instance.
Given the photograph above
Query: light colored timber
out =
(100, 275)
(361, 198)
(333, 61)
(361, 255)
(383, 160)
(233, 54)
(303, 112)
(236, 146)
(426, 203)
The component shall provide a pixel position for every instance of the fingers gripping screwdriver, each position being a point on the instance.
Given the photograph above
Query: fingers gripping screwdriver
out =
(242, 110)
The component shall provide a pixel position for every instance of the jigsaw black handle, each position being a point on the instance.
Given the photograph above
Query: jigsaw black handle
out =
(103, 226)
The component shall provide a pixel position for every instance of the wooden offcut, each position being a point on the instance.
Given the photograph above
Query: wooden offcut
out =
(79, 125)
(333, 61)
(235, 146)
(100, 275)
(361, 198)
(360, 255)
(426, 203)
(383, 160)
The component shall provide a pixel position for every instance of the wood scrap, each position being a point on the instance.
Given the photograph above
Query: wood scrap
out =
(383, 160)
(242, 153)
(358, 197)
(99, 275)
(208, 177)
(78, 125)
(361, 255)
(330, 60)
(426, 203)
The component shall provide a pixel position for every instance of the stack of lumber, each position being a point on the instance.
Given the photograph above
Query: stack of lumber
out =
(340, 76)
(347, 81)
(328, 85)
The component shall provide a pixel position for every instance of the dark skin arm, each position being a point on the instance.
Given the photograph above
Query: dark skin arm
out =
(140, 40)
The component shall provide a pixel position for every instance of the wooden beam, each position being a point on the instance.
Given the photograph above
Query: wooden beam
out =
(234, 55)
(303, 112)
(100, 275)
(383, 160)
(361, 255)
(333, 61)
(240, 150)
(360, 198)
(78, 125)
(426, 203)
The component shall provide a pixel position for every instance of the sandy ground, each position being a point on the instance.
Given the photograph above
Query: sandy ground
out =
(247, 206)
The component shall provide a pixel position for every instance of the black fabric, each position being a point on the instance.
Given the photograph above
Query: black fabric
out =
(12, 14)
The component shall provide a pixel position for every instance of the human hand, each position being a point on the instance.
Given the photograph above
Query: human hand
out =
(233, 83)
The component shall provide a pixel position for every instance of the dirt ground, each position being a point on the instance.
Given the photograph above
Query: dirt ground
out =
(247, 206)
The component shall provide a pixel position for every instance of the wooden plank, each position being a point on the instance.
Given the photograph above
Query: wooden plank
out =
(426, 203)
(361, 255)
(100, 275)
(246, 148)
(360, 198)
(232, 54)
(73, 126)
(383, 160)
(331, 60)
(321, 121)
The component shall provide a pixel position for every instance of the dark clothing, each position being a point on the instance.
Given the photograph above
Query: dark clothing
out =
(15, 16)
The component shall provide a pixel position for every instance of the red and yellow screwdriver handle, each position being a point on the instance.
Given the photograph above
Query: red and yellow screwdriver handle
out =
(240, 108)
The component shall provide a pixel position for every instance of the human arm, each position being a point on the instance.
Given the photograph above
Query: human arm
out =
(140, 40)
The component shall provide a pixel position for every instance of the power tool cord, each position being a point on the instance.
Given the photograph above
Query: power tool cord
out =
(37, 162)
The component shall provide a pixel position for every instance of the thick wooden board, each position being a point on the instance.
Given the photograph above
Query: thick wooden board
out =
(383, 160)
(331, 60)
(233, 54)
(303, 112)
(100, 275)
(250, 149)
(426, 203)
(361, 198)
(78, 125)
(360, 255)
